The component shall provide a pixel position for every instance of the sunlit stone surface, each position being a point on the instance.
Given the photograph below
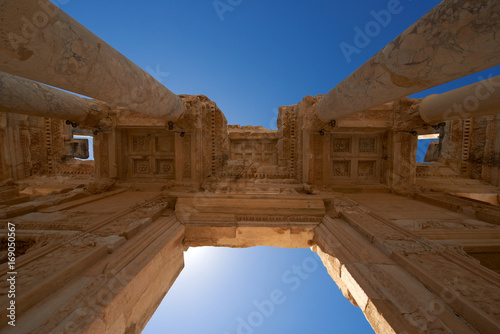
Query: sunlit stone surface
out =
(99, 243)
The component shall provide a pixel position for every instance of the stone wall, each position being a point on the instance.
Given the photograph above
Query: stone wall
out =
(415, 246)
(99, 257)
(35, 146)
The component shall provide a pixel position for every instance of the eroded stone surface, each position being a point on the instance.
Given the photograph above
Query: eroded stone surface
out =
(415, 246)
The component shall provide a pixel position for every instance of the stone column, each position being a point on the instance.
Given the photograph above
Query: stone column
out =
(117, 292)
(42, 43)
(455, 39)
(22, 96)
(495, 178)
(10, 145)
(392, 300)
(402, 281)
(401, 160)
(479, 99)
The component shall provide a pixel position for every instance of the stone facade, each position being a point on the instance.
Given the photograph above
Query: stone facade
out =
(99, 243)
(415, 246)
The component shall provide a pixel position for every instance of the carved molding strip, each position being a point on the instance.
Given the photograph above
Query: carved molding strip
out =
(433, 263)
(289, 219)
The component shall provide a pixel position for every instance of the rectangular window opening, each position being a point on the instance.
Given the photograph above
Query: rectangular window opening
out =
(428, 148)
(90, 141)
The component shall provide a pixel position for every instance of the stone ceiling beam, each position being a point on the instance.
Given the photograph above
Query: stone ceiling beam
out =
(23, 96)
(42, 43)
(479, 99)
(454, 39)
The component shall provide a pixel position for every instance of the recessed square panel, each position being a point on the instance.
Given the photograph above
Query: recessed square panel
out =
(268, 159)
(341, 168)
(258, 146)
(270, 147)
(263, 151)
(247, 146)
(165, 144)
(141, 167)
(165, 167)
(140, 144)
(341, 145)
(236, 146)
(367, 168)
(367, 145)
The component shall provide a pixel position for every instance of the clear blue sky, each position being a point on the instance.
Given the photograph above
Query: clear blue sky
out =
(220, 290)
(262, 55)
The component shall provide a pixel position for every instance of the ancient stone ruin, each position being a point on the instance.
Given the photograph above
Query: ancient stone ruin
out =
(99, 243)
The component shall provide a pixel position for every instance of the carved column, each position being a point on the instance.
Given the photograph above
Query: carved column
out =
(22, 96)
(307, 157)
(495, 169)
(108, 274)
(405, 283)
(401, 159)
(130, 284)
(11, 146)
(392, 300)
(42, 43)
(3, 174)
(482, 98)
(104, 154)
(178, 143)
(422, 57)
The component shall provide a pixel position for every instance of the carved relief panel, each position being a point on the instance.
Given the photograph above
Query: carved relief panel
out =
(151, 155)
(355, 157)
(263, 151)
